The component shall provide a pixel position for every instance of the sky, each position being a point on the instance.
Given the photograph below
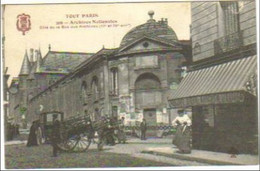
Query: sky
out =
(89, 36)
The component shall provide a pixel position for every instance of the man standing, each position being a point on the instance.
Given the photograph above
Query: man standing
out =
(121, 131)
(55, 135)
(143, 127)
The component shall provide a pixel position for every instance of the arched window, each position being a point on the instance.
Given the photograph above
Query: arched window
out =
(147, 81)
(94, 88)
(84, 92)
(147, 91)
(114, 81)
(196, 48)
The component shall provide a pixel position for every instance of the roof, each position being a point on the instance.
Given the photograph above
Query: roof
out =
(102, 51)
(228, 77)
(33, 69)
(78, 68)
(62, 62)
(157, 29)
(25, 69)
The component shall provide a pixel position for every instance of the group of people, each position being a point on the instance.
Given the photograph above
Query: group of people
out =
(115, 131)
(12, 131)
(35, 136)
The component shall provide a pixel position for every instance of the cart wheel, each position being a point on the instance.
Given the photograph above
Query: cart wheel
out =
(68, 144)
(82, 143)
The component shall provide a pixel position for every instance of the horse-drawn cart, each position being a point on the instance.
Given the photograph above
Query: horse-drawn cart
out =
(78, 132)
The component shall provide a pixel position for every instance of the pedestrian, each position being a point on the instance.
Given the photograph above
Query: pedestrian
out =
(111, 132)
(55, 136)
(39, 133)
(101, 131)
(9, 131)
(17, 129)
(121, 131)
(143, 127)
(32, 139)
(182, 137)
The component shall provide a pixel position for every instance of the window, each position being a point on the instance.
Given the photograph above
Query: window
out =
(196, 49)
(146, 61)
(145, 44)
(94, 87)
(230, 14)
(114, 81)
(84, 91)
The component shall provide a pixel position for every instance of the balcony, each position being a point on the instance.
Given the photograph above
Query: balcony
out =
(228, 43)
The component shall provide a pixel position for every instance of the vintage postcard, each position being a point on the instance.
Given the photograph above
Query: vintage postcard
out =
(127, 85)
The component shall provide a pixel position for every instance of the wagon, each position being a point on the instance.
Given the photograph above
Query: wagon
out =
(76, 132)
(46, 121)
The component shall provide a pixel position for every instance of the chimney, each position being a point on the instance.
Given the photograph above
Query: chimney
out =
(49, 47)
(31, 55)
(166, 21)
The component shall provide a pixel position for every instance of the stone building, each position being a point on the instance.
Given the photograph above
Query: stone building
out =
(36, 75)
(131, 81)
(223, 97)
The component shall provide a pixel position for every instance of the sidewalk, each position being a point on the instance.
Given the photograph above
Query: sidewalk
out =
(150, 140)
(214, 158)
(15, 142)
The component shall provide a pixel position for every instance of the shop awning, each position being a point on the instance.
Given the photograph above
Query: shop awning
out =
(224, 83)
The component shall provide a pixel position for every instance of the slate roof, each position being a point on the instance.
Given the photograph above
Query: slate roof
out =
(153, 28)
(25, 69)
(103, 51)
(62, 62)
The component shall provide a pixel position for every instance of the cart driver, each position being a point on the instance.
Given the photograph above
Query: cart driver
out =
(55, 136)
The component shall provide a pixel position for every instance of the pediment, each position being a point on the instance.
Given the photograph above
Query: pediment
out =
(146, 44)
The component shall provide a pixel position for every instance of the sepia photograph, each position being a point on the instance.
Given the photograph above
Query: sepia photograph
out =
(130, 85)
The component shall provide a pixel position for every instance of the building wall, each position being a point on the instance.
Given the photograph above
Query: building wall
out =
(248, 21)
(67, 96)
(222, 127)
(127, 102)
(208, 25)
(204, 30)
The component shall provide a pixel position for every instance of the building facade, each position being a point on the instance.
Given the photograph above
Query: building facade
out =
(224, 74)
(131, 81)
(36, 75)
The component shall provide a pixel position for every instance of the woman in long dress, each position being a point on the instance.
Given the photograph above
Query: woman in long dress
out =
(32, 139)
(182, 136)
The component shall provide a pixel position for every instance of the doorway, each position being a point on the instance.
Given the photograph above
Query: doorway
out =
(150, 117)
